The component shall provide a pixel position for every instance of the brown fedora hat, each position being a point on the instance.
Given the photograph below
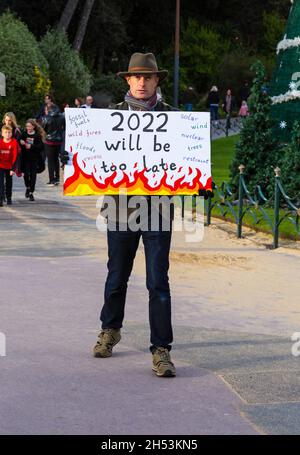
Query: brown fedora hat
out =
(143, 64)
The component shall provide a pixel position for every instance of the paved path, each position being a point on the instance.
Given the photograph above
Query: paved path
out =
(236, 374)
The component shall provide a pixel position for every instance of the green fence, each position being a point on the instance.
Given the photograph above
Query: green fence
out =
(271, 211)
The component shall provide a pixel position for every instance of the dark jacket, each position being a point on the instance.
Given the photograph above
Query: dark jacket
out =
(32, 154)
(41, 113)
(213, 98)
(245, 93)
(53, 124)
(232, 105)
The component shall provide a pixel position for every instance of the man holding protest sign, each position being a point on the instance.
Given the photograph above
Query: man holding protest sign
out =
(139, 155)
(143, 78)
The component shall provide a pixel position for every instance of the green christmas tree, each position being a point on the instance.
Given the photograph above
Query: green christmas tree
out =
(257, 149)
(285, 85)
(291, 164)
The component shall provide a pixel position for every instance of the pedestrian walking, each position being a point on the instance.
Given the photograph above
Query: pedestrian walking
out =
(245, 92)
(244, 110)
(31, 156)
(48, 103)
(213, 102)
(8, 158)
(143, 78)
(228, 106)
(189, 98)
(9, 119)
(53, 124)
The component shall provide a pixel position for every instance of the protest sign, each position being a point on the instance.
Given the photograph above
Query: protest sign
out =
(146, 153)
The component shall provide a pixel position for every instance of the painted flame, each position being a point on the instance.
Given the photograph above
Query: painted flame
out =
(186, 183)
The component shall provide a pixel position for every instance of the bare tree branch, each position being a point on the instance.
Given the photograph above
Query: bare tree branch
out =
(83, 24)
(67, 15)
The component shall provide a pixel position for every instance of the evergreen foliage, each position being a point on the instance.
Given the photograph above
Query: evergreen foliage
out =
(291, 164)
(257, 149)
(24, 66)
(285, 86)
(70, 76)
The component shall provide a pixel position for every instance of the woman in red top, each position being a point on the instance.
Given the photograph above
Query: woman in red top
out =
(8, 157)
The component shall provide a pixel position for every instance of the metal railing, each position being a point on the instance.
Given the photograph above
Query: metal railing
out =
(257, 205)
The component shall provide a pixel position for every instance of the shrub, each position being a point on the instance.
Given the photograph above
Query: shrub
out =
(257, 147)
(24, 66)
(290, 165)
(70, 76)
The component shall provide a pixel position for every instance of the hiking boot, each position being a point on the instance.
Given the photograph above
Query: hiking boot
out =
(161, 363)
(31, 197)
(107, 339)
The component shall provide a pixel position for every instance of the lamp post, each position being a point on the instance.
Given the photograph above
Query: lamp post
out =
(176, 57)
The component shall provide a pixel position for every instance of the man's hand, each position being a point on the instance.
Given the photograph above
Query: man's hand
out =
(206, 193)
(65, 157)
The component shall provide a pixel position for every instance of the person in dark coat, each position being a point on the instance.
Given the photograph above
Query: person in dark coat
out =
(48, 103)
(53, 124)
(244, 92)
(189, 98)
(213, 103)
(228, 106)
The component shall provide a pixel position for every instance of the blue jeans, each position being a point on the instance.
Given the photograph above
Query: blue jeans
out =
(214, 112)
(188, 107)
(122, 247)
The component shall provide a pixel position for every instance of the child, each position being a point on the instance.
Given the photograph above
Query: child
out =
(8, 158)
(9, 119)
(32, 146)
(244, 111)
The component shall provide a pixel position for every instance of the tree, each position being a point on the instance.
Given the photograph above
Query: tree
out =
(273, 26)
(110, 52)
(291, 164)
(285, 84)
(67, 15)
(201, 49)
(257, 148)
(83, 24)
(70, 76)
(25, 68)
